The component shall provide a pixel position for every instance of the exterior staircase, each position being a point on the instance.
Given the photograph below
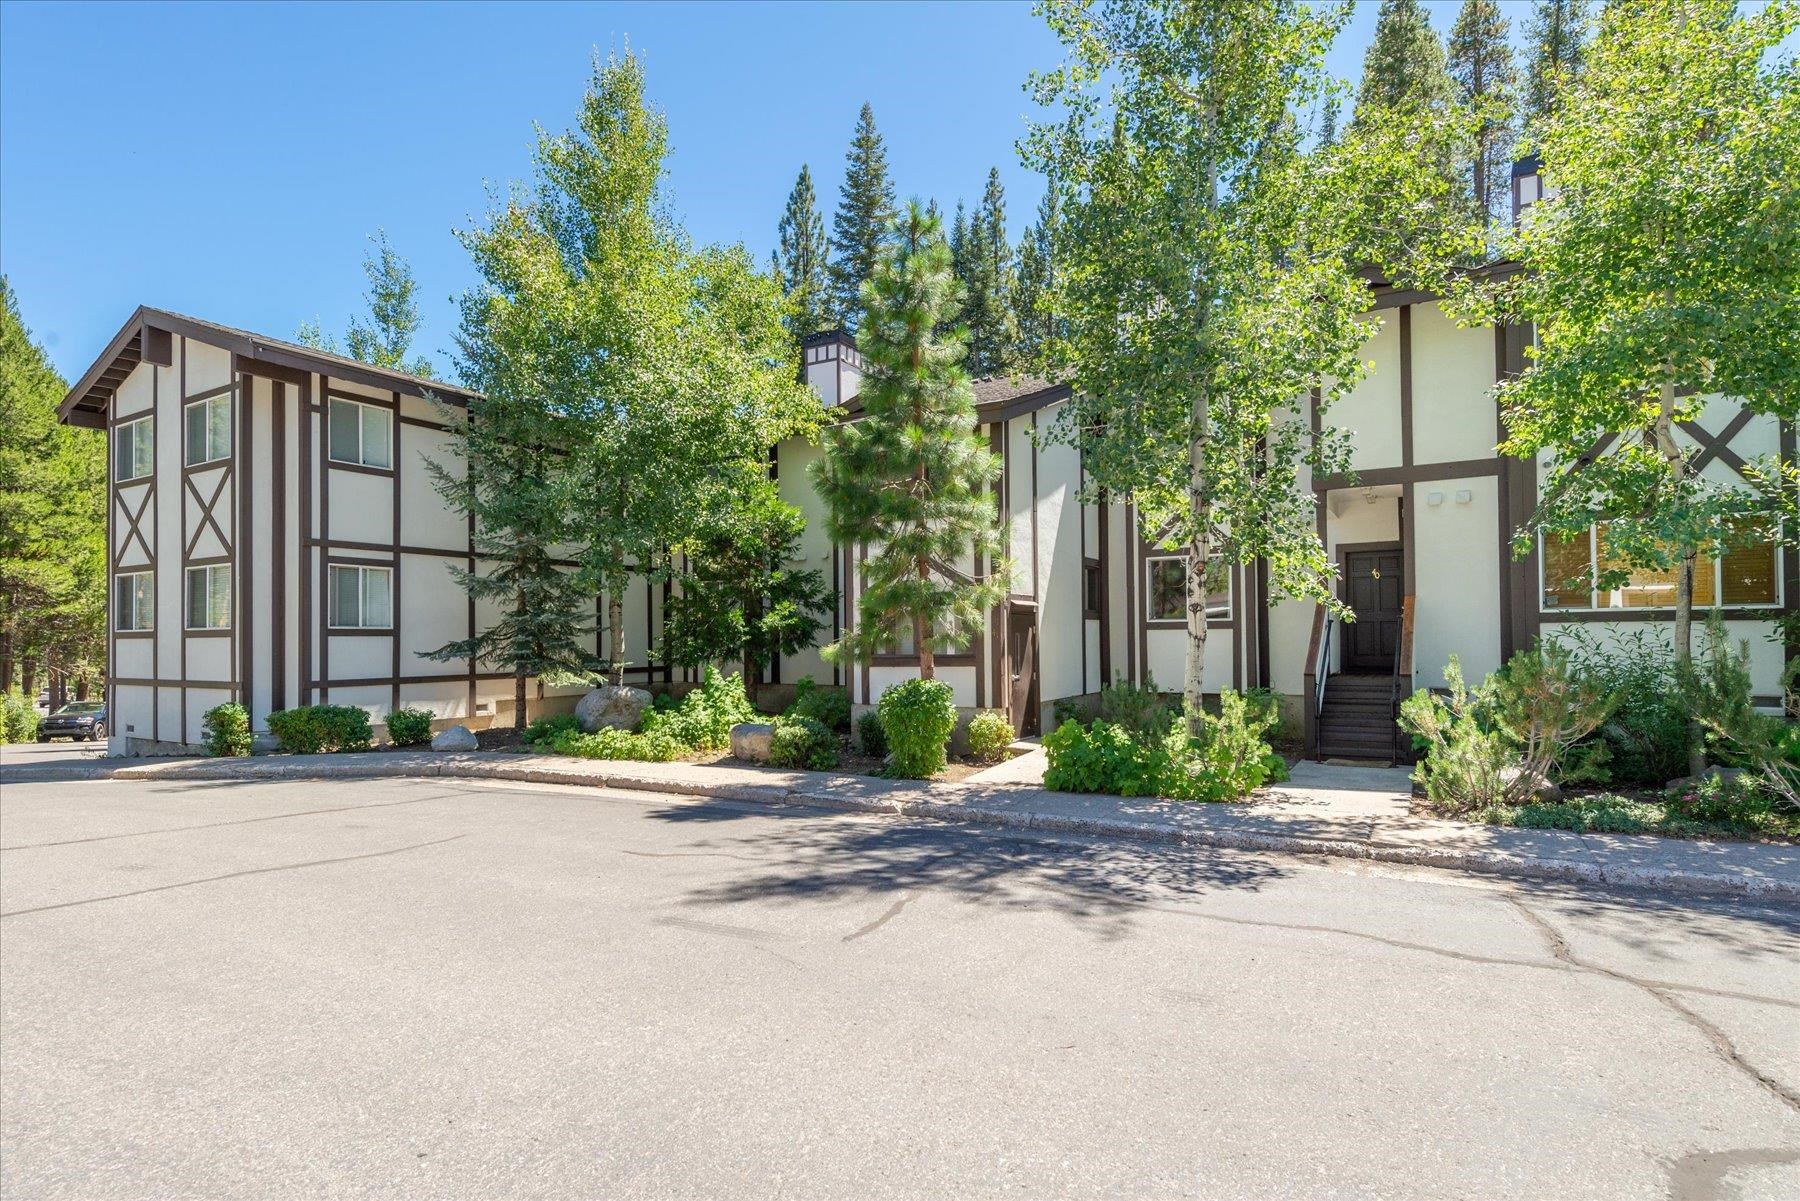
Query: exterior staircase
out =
(1356, 720)
(1353, 714)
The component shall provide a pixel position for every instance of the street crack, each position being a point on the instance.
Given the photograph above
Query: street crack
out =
(893, 911)
(1721, 1042)
(254, 871)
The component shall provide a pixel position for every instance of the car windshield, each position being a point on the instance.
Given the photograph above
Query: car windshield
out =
(81, 707)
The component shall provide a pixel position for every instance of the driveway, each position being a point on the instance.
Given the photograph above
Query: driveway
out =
(456, 989)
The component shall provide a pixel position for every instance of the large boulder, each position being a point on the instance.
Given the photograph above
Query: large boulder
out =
(1543, 791)
(750, 741)
(1724, 775)
(612, 706)
(456, 738)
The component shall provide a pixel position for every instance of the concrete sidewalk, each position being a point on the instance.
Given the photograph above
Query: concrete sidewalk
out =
(1353, 813)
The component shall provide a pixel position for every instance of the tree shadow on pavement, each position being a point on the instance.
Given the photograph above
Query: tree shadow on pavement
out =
(1099, 884)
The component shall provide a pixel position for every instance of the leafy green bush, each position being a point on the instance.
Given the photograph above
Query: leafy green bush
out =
(1226, 762)
(801, 742)
(544, 732)
(870, 736)
(917, 716)
(1741, 805)
(1140, 708)
(1645, 735)
(226, 730)
(703, 719)
(610, 743)
(409, 727)
(18, 718)
(313, 728)
(1105, 758)
(989, 735)
(829, 707)
(1714, 689)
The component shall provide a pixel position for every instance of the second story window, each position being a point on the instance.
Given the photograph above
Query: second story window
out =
(206, 430)
(361, 434)
(134, 444)
(134, 601)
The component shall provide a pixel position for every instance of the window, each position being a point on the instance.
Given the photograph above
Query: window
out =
(133, 447)
(133, 601)
(209, 597)
(1165, 589)
(206, 430)
(360, 597)
(360, 434)
(1093, 588)
(1744, 575)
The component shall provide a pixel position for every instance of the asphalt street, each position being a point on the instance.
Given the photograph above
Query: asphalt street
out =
(455, 989)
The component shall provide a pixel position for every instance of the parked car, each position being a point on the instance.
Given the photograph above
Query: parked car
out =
(83, 721)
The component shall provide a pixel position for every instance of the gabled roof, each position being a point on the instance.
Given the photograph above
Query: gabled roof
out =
(146, 335)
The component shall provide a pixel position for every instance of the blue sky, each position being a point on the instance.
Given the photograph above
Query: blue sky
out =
(229, 161)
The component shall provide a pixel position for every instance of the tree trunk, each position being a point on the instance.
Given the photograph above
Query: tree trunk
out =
(615, 620)
(1193, 683)
(519, 700)
(1684, 576)
(28, 671)
(922, 644)
(6, 661)
(752, 676)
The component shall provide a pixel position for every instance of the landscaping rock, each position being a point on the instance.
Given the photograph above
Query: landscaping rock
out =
(612, 706)
(456, 738)
(750, 741)
(1724, 775)
(1543, 791)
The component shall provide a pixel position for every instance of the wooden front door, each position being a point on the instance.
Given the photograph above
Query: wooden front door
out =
(1021, 658)
(1374, 584)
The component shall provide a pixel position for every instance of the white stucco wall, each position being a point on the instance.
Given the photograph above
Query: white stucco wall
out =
(1457, 569)
(1454, 415)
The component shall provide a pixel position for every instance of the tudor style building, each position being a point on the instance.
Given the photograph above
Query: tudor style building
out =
(275, 538)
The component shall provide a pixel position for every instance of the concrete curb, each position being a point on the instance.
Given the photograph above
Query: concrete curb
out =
(901, 801)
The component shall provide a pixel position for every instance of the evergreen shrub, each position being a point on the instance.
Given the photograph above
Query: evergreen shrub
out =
(802, 742)
(309, 729)
(990, 734)
(917, 717)
(18, 718)
(226, 730)
(409, 727)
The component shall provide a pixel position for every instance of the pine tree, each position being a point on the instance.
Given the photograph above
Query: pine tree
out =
(386, 338)
(1328, 121)
(52, 518)
(1404, 66)
(865, 209)
(1036, 274)
(1481, 63)
(800, 262)
(738, 598)
(1406, 79)
(911, 478)
(959, 259)
(987, 308)
(1556, 37)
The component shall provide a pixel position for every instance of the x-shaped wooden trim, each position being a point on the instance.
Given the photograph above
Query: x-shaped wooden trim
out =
(206, 514)
(133, 526)
(1720, 447)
